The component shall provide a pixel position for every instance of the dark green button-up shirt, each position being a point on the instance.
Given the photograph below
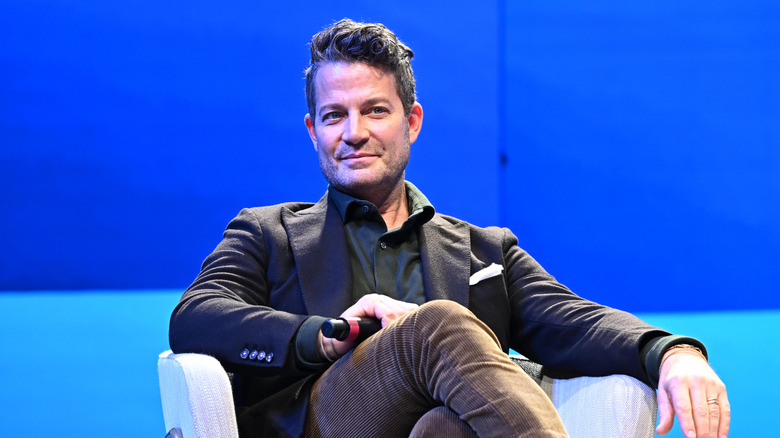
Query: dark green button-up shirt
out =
(384, 261)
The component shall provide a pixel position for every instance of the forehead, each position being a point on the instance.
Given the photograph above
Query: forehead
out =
(339, 82)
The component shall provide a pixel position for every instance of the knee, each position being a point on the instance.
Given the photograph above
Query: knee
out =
(443, 319)
(439, 311)
(444, 306)
(448, 317)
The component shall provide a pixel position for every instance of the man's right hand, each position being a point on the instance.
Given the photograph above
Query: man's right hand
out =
(376, 306)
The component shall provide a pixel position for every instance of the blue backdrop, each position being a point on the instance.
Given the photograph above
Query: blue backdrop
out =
(631, 147)
(643, 142)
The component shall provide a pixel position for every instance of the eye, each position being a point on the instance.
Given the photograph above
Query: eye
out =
(378, 110)
(333, 115)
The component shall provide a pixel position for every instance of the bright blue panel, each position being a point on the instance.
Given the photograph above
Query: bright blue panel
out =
(747, 335)
(132, 132)
(88, 360)
(642, 141)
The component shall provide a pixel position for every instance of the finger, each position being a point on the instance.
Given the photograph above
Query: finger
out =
(391, 315)
(665, 412)
(713, 407)
(701, 412)
(720, 409)
(340, 348)
(366, 307)
(397, 306)
(362, 308)
(388, 309)
(725, 415)
(385, 314)
(681, 405)
(379, 306)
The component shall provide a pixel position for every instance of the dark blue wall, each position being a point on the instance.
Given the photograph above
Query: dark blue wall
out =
(640, 140)
(643, 144)
(133, 132)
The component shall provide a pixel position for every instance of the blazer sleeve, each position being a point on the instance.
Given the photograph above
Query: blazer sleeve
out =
(227, 311)
(553, 326)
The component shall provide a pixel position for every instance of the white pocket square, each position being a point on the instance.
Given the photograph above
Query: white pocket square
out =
(491, 271)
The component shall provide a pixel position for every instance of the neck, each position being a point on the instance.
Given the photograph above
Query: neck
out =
(392, 204)
(395, 208)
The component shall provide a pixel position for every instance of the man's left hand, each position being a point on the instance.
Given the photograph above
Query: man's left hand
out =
(689, 388)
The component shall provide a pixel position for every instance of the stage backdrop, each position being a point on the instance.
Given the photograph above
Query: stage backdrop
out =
(632, 148)
(643, 145)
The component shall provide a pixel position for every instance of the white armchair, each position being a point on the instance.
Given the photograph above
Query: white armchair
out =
(197, 400)
(197, 397)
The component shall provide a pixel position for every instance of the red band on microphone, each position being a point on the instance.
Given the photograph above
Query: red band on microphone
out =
(354, 330)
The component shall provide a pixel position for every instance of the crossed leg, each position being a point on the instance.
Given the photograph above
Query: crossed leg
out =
(437, 355)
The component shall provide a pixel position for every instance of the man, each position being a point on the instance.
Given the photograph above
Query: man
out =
(452, 298)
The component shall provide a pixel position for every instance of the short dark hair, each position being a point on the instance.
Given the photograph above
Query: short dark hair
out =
(369, 43)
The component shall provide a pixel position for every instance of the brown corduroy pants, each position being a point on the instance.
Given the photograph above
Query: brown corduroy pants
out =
(437, 371)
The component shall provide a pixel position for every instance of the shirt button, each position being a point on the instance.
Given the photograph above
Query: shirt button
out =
(383, 245)
(364, 209)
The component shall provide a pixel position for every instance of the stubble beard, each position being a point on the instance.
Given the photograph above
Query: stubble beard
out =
(372, 189)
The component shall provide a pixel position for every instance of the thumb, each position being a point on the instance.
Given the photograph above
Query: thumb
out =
(666, 413)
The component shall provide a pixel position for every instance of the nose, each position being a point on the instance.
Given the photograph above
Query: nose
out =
(355, 131)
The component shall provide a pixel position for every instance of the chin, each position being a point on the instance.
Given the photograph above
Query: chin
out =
(362, 188)
(357, 180)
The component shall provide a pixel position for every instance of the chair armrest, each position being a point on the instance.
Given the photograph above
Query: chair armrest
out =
(196, 396)
(610, 406)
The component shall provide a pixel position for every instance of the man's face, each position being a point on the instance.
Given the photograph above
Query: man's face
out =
(361, 134)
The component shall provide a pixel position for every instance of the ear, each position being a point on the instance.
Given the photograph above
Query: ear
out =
(415, 122)
(310, 127)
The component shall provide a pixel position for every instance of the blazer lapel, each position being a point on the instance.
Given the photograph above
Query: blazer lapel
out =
(320, 251)
(445, 251)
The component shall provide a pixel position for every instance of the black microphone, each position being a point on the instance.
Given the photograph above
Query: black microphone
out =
(350, 329)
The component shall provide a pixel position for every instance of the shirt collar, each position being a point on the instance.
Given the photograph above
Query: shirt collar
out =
(420, 209)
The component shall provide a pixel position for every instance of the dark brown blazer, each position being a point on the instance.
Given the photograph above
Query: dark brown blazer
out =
(278, 265)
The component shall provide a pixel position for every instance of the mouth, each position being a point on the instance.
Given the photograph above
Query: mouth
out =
(358, 156)
(358, 159)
